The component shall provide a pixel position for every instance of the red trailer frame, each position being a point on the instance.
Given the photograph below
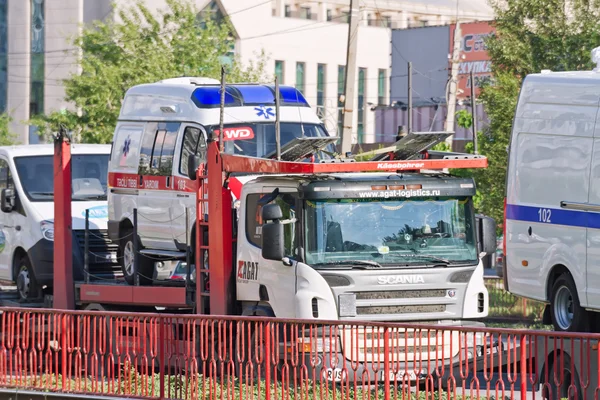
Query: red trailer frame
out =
(214, 195)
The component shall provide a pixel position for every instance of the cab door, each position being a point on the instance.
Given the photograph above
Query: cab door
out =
(192, 140)
(10, 224)
(156, 183)
(257, 278)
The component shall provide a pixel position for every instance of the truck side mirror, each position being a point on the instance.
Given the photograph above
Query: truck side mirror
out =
(192, 166)
(7, 200)
(486, 234)
(272, 233)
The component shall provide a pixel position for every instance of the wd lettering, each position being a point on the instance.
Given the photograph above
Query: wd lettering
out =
(237, 133)
(247, 271)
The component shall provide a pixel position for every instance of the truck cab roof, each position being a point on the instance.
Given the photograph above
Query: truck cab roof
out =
(375, 185)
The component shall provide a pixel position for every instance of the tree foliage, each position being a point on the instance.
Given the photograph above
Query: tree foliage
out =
(6, 136)
(138, 46)
(531, 35)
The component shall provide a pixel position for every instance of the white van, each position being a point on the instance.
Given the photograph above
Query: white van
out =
(159, 126)
(26, 220)
(552, 211)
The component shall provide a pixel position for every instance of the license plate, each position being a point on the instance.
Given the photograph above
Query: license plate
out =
(402, 376)
(335, 374)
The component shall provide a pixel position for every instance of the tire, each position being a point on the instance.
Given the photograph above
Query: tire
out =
(127, 257)
(566, 312)
(27, 286)
(561, 368)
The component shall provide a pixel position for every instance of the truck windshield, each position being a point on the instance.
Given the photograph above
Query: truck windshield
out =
(258, 139)
(89, 174)
(395, 232)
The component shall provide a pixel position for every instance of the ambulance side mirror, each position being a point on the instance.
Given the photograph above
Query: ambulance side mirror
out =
(272, 233)
(192, 166)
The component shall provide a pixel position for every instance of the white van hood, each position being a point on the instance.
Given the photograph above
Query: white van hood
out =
(98, 213)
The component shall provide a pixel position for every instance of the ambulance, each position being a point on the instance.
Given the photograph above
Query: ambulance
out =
(160, 125)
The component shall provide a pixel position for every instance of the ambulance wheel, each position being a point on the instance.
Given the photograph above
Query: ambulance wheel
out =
(127, 259)
(566, 311)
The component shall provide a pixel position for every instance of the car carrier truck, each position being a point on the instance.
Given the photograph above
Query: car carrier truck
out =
(308, 235)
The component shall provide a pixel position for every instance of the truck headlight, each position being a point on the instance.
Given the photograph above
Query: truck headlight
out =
(47, 228)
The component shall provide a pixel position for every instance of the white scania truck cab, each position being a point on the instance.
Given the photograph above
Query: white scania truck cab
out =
(160, 125)
(26, 220)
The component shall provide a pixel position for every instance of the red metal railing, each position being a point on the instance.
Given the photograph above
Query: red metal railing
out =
(190, 357)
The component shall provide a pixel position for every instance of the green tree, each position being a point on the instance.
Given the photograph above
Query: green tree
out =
(142, 47)
(531, 35)
(6, 136)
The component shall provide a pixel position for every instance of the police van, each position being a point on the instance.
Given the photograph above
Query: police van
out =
(160, 125)
(27, 217)
(552, 238)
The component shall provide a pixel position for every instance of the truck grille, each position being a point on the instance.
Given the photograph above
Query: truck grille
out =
(405, 309)
(362, 344)
(400, 294)
(103, 252)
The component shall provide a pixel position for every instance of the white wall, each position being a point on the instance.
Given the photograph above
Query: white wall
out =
(312, 42)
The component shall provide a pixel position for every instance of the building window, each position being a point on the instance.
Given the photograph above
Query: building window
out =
(381, 87)
(305, 12)
(321, 90)
(3, 54)
(288, 11)
(329, 15)
(36, 100)
(362, 81)
(300, 67)
(341, 80)
(279, 71)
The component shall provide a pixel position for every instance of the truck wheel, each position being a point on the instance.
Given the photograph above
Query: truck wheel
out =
(561, 372)
(27, 286)
(566, 312)
(127, 258)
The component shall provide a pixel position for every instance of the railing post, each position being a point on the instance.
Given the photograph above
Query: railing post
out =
(267, 357)
(63, 350)
(523, 360)
(86, 248)
(161, 356)
(386, 363)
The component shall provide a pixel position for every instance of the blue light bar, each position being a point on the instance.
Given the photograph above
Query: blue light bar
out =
(210, 97)
(256, 94)
(291, 95)
(247, 95)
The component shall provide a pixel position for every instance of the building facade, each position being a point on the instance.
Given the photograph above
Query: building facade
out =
(305, 42)
(431, 75)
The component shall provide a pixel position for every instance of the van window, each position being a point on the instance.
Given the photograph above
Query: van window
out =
(158, 148)
(193, 143)
(124, 155)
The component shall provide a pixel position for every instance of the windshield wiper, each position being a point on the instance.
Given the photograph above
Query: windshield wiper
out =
(92, 197)
(419, 255)
(42, 193)
(365, 263)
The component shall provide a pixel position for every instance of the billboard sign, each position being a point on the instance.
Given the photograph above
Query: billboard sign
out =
(473, 56)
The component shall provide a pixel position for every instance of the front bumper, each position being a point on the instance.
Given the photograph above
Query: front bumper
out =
(321, 357)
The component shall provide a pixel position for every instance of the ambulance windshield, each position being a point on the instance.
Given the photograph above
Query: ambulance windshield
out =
(258, 139)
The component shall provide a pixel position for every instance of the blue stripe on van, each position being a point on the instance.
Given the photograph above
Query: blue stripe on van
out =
(553, 216)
